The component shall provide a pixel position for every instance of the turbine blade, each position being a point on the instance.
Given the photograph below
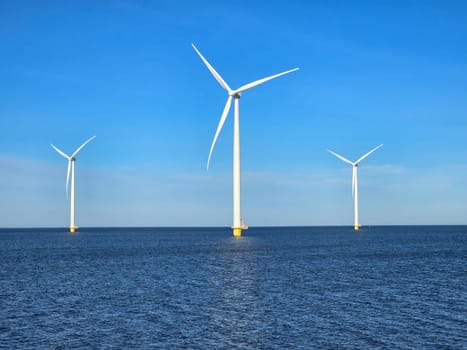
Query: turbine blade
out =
(367, 154)
(213, 71)
(261, 81)
(340, 157)
(219, 127)
(68, 176)
(84, 144)
(60, 152)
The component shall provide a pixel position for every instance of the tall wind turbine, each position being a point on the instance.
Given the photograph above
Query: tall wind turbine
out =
(237, 226)
(71, 169)
(354, 165)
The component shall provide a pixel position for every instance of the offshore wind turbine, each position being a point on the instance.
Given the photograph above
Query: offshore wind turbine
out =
(71, 170)
(354, 165)
(237, 226)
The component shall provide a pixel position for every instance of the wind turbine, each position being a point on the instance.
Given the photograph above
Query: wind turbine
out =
(71, 169)
(354, 165)
(237, 226)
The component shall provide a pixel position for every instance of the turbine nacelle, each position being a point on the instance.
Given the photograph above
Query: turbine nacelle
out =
(235, 94)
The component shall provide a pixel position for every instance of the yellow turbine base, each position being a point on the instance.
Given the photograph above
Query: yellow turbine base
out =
(73, 229)
(237, 232)
(356, 227)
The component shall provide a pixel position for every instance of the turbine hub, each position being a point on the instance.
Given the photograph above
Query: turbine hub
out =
(235, 95)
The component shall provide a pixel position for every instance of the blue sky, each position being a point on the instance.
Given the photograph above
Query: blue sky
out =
(371, 72)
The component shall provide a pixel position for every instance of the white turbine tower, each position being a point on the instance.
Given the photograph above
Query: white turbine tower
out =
(71, 169)
(237, 226)
(354, 165)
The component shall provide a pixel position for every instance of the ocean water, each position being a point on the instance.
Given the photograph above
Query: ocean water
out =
(394, 287)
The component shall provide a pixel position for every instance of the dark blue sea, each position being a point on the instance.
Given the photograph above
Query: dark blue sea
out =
(393, 287)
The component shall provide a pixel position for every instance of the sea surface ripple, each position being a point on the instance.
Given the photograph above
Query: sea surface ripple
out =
(386, 287)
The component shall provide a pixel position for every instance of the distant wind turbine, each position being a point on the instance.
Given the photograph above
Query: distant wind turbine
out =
(237, 226)
(71, 169)
(354, 181)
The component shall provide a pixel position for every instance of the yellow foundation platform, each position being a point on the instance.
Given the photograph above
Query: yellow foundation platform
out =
(237, 231)
(356, 228)
(73, 229)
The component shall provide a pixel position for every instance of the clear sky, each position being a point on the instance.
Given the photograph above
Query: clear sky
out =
(371, 72)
